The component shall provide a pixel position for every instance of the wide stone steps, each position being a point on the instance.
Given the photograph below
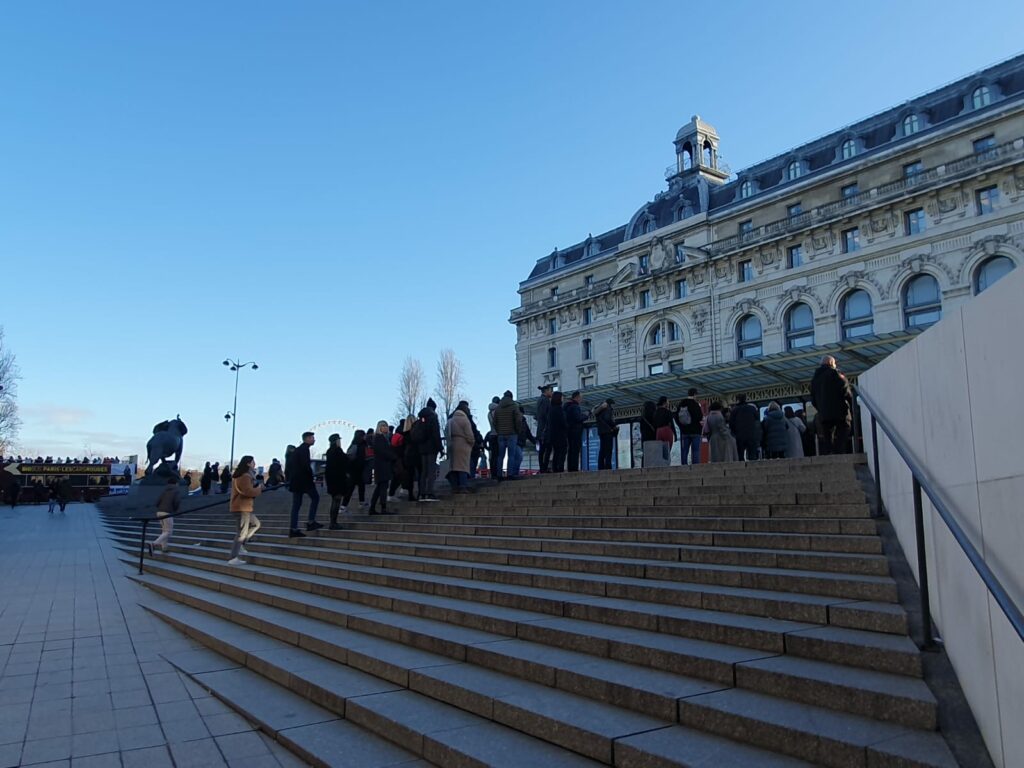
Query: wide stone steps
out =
(453, 714)
(844, 610)
(546, 693)
(655, 633)
(885, 696)
(507, 549)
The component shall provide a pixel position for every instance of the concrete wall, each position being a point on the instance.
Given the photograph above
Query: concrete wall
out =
(956, 396)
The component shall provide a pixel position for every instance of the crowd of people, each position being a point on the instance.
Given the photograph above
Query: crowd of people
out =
(7, 460)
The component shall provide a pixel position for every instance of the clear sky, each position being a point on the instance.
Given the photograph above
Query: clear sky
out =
(326, 187)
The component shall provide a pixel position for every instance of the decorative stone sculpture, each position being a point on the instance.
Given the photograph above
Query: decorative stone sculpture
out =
(167, 440)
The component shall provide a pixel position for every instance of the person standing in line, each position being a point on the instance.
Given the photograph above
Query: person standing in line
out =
(336, 476)
(574, 419)
(648, 434)
(275, 475)
(745, 422)
(665, 430)
(207, 479)
(558, 433)
(831, 397)
(368, 466)
(356, 461)
(493, 467)
(460, 446)
(807, 434)
(506, 425)
(383, 467)
(430, 448)
(168, 503)
(690, 418)
(225, 479)
(775, 429)
(244, 490)
(607, 429)
(302, 483)
(795, 446)
(543, 444)
(721, 443)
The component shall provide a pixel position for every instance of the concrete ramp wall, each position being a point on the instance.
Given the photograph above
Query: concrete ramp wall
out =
(956, 396)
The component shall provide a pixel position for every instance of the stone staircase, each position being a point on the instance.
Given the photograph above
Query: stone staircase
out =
(724, 615)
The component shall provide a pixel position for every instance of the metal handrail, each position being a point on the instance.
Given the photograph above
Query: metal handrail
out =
(922, 480)
(152, 518)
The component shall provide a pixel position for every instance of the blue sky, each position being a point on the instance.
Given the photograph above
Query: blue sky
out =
(328, 187)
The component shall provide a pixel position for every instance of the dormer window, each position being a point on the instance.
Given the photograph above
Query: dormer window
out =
(849, 149)
(794, 170)
(746, 189)
(645, 265)
(680, 254)
(981, 97)
(911, 125)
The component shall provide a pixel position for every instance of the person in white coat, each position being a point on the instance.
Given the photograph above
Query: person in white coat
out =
(795, 448)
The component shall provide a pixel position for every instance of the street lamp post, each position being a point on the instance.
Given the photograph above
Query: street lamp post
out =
(232, 415)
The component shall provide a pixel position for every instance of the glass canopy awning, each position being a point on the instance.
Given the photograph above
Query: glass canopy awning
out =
(786, 373)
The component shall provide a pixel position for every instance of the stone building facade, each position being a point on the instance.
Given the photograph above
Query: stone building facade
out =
(871, 230)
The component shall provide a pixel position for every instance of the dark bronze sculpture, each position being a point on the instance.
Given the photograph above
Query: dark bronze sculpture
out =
(165, 442)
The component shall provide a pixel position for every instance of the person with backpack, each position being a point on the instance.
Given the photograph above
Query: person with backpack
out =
(336, 476)
(244, 490)
(775, 429)
(664, 425)
(690, 419)
(507, 418)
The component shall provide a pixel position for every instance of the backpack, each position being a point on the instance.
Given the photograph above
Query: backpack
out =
(418, 434)
(685, 419)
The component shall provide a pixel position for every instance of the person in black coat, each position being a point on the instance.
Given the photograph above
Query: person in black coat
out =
(574, 419)
(356, 468)
(225, 479)
(383, 467)
(302, 483)
(207, 479)
(336, 475)
(430, 447)
(831, 397)
(543, 443)
(558, 433)
(745, 423)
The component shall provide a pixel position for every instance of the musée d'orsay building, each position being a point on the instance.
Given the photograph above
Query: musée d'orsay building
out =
(740, 282)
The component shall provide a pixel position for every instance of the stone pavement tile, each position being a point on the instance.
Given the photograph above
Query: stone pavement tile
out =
(166, 687)
(133, 716)
(94, 743)
(140, 736)
(97, 720)
(153, 757)
(128, 683)
(88, 672)
(189, 729)
(19, 696)
(55, 677)
(23, 668)
(211, 706)
(57, 644)
(260, 761)
(196, 753)
(11, 712)
(14, 683)
(44, 726)
(46, 750)
(93, 702)
(225, 723)
(155, 667)
(10, 755)
(52, 692)
(90, 687)
(176, 710)
(54, 764)
(126, 699)
(108, 760)
(195, 690)
(238, 745)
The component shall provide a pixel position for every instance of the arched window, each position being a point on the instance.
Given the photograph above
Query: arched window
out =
(990, 271)
(857, 317)
(647, 226)
(687, 156)
(654, 337)
(911, 125)
(674, 332)
(793, 170)
(746, 189)
(922, 302)
(799, 327)
(981, 97)
(708, 155)
(849, 149)
(748, 337)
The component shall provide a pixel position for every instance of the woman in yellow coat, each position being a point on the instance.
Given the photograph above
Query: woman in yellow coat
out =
(244, 490)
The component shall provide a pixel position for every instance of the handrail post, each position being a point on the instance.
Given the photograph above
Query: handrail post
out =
(142, 544)
(922, 568)
(874, 455)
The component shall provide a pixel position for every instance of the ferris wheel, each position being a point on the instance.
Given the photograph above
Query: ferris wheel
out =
(343, 427)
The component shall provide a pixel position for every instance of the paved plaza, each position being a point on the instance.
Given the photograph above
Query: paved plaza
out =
(82, 681)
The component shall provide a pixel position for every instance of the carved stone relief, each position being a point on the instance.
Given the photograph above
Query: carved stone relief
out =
(626, 339)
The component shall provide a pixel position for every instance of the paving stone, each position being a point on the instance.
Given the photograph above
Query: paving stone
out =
(347, 745)
(241, 745)
(151, 757)
(46, 750)
(139, 736)
(108, 760)
(226, 723)
(203, 752)
(489, 744)
(94, 743)
(676, 745)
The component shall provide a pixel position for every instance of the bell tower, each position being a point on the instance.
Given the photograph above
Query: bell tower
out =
(697, 152)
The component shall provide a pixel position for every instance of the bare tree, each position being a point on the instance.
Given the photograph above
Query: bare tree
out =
(450, 381)
(9, 376)
(410, 388)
